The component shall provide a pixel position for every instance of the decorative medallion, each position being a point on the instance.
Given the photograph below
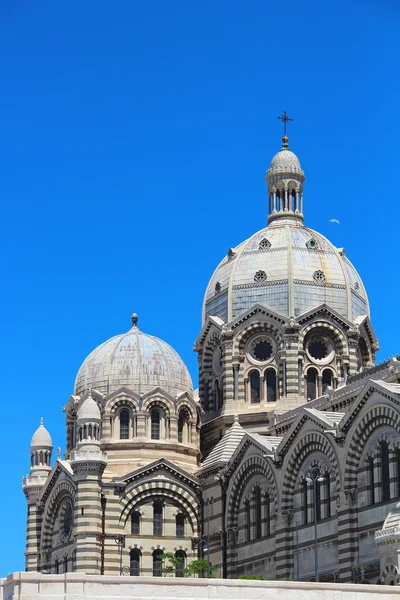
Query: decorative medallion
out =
(319, 276)
(260, 277)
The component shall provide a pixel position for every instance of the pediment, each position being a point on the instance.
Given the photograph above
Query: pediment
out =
(159, 469)
(316, 418)
(363, 322)
(390, 391)
(123, 391)
(258, 309)
(61, 470)
(210, 323)
(324, 311)
(251, 443)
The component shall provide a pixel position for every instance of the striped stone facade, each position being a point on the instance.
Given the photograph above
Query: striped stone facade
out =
(353, 435)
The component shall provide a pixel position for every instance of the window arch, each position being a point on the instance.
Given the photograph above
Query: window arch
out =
(155, 419)
(135, 523)
(157, 518)
(157, 563)
(124, 424)
(180, 525)
(312, 383)
(327, 379)
(257, 507)
(254, 380)
(270, 379)
(385, 478)
(180, 565)
(134, 562)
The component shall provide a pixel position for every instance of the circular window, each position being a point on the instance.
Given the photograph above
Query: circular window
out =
(262, 349)
(320, 349)
(67, 521)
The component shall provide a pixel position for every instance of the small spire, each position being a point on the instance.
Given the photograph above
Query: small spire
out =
(236, 418)
(58, 452)
(41, 422)
(285, 119)
(135, 319)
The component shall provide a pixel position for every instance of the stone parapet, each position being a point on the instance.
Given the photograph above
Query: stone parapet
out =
(76, 586)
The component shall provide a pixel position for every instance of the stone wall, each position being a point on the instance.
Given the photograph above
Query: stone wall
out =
(77, 586)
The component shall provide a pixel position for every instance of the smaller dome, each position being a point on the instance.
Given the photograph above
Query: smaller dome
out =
(89, 410)
(285, 161)
(41, 438)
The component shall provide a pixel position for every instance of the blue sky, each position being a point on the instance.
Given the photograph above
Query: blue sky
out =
(134, 139)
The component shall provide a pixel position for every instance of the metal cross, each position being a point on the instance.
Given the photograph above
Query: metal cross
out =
(285, 119)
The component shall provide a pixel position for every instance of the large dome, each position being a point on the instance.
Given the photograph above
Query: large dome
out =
(134, 360)
(288, 268)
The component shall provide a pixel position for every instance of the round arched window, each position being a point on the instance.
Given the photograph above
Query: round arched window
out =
(67, 521)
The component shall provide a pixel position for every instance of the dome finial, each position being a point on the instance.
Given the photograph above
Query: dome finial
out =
(41, 422)
(284, 118)
(135, 319)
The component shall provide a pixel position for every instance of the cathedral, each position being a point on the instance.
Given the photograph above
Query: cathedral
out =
(284, 464)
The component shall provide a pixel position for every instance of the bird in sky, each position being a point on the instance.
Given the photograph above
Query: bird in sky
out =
(334, 221)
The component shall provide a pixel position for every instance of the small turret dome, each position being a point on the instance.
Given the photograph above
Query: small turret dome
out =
(89, 410)
(285, 161)
(135, 360)
(41, 438)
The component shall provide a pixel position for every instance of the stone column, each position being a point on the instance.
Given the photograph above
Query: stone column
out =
(88, 468)
(227, 379)
(173, 428)
(347, 533)
(284, 544)
(33, 527)
(292, 362)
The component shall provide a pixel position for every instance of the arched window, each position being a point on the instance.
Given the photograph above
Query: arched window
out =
(180, 565)
(254, 387)
(32, 460)
(278, 199)
(267, 515)
(155, 424)
(157, 563)
(305, 501)
(371, 478)
(327, 379)
(180, 525)
(248, 520)
(317, 507)
(134, 562)
(271, 385)
(157, 518)
(257, 503)
(124, 424)
(183, 427)
(135, 523)
(328, 494)
(385, 471)
(217, 397)
(311, 384)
